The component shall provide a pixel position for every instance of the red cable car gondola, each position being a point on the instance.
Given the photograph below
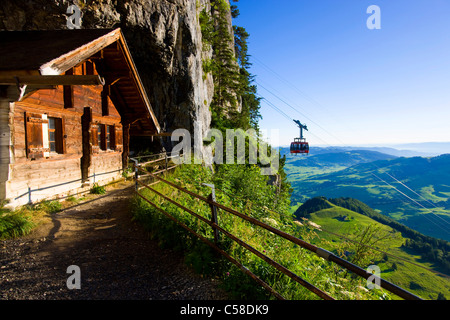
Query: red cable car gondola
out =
(300, 146)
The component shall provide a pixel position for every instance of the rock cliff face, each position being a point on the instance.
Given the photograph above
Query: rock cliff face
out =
(164, 37)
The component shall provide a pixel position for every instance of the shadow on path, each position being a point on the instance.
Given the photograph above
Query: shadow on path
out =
(117, 260)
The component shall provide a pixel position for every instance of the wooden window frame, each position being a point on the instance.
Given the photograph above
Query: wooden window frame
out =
(118, 138)
(59, 135)
(107, 137)
(102, 141)
(112, 136)
(37, 135)
(101, 136)
(94, 139)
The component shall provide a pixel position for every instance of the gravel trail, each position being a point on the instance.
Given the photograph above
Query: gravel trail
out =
(116, 258)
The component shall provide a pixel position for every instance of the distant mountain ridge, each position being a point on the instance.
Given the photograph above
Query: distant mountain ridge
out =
(422, 149)
(340, 157)
(414, 191)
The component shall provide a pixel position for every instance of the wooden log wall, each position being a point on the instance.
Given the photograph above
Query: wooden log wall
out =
(5, 144)
(63, 171)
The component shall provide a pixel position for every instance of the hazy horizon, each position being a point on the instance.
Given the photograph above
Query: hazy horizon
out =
(421, 148)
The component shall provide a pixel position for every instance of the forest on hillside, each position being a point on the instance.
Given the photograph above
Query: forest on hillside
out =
(431, 249)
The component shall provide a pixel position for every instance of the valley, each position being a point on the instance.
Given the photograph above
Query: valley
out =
(414, 191)
(366, 241)
(402, 202)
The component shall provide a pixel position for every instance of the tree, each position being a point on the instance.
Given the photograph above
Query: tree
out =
(233, 88)
(441, 296)
(367, 238)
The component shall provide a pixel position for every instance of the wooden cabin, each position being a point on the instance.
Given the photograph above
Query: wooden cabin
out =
(69, 101)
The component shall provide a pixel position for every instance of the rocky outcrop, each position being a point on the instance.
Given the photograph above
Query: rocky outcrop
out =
(164, 37)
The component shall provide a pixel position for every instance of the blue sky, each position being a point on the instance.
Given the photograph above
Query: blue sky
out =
(317, 61)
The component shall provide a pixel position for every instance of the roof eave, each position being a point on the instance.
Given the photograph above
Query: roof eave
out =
(138, 82)
(70, 59)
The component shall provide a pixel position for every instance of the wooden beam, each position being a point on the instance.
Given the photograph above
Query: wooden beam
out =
(63, 80)
(163, 134)
(151, 133)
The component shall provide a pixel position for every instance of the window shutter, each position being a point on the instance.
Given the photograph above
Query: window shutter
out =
(112, 137)
(60, 136)
(118, 138)
(34, 136)
(94, 138)
(102, 129)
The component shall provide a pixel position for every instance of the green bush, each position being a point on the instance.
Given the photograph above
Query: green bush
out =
(49, 206)
(14, 225)
(97, 189)
(243, 188)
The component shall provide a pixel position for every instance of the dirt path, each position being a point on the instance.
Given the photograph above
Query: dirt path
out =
(115, 256)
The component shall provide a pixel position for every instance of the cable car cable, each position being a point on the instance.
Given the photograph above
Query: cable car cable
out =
(372, 247)
(341, 142)
(345, 238)
(405, 195)
(293, 108)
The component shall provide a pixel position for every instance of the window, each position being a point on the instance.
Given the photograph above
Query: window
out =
(95, 137)
(104, 137)
(55, 135)
(44, 135)
(52, 134)
(99, 136)
(108, 137)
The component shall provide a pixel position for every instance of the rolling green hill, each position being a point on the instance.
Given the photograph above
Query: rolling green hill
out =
(329, 160)
(414, 191)
(339, 228)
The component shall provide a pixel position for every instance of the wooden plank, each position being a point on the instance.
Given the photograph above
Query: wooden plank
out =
(82, 53)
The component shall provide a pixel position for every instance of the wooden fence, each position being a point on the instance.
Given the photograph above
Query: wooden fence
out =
(213, 223)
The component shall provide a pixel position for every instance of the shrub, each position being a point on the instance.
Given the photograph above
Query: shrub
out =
(14, 225)
(97, 189)
(49, 206)
(243, 188)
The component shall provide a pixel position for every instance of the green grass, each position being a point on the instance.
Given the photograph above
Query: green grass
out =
(97, 189)
(311, 179)
(294, 208)
(418, 280)
(13, 225)
(24, 219)
(325, 275)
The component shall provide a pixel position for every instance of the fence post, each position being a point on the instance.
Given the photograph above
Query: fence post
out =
(29, 195)
(136, 176)
(165, 155)
(212, 197)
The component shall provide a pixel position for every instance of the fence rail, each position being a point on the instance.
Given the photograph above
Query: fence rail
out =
(213, 223)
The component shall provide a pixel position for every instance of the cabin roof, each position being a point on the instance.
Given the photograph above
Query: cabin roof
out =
(53, 52)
